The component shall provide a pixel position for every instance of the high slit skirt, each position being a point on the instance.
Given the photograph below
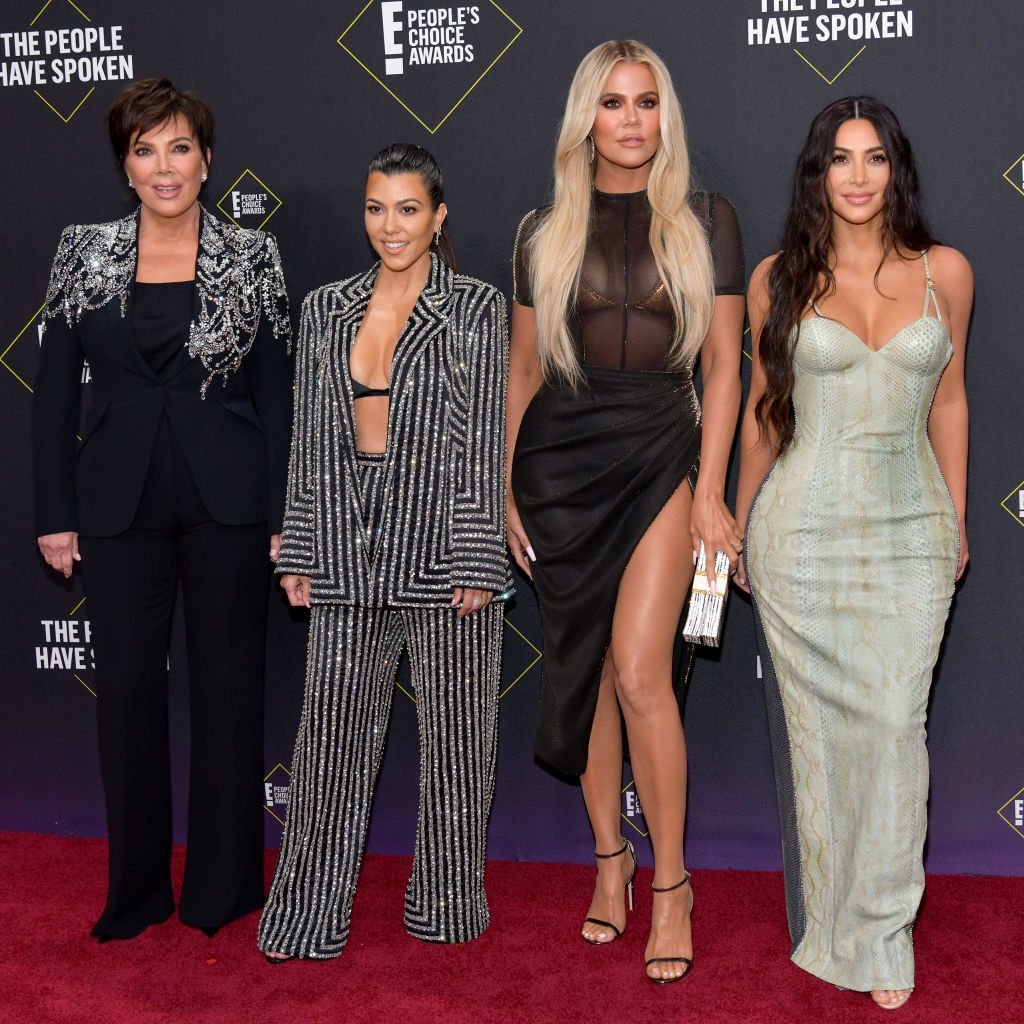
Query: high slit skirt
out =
(592, 469)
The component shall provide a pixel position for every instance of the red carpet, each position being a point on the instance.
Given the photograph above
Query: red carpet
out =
(530, 967)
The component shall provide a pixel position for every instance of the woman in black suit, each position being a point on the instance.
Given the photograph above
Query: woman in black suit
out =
(395, 537)
(178, 478)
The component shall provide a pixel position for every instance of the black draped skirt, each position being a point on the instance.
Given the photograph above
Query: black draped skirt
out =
(592, 469)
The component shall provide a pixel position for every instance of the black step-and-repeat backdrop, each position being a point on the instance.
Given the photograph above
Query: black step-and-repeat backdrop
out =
(304, 94)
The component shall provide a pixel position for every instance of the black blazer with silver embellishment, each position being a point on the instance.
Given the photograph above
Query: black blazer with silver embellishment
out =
(443, 493)
(227, 393)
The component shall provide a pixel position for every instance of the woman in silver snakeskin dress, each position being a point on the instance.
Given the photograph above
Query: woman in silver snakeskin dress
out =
(394, 535)
(857, 535)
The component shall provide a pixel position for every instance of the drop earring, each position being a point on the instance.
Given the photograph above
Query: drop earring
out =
(592, 148)
(437, 237)
(202, 177)
(131, 184)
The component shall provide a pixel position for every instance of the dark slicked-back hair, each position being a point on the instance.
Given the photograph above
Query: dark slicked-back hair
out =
(802, 272)
(408, 158)
(150, 103)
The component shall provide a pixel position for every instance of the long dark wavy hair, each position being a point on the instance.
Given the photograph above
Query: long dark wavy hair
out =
(408, 158)
(802, 272)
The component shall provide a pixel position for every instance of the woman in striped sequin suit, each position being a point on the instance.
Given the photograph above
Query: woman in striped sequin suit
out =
(394, 536)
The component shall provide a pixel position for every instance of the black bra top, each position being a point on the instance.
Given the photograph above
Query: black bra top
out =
(361, 390)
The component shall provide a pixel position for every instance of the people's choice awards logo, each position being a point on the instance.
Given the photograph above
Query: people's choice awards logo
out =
(276, 786)
(429, 56)
(808, 26)
(249, 203)
(19, 358)
(62, 55)
(1012, 812)
(1014, 174)
(1014, 503)
(632, 812)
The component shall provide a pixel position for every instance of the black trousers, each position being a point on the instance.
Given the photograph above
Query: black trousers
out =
(131, 583)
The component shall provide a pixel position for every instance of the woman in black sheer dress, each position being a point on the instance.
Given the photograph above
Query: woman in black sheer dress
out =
(606, 507)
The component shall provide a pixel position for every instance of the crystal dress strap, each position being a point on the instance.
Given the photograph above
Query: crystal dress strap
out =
(929, 291)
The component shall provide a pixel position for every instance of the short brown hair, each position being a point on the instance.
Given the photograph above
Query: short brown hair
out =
(150, 103)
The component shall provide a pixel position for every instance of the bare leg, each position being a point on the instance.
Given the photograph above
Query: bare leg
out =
(601, 783)
(650, 601)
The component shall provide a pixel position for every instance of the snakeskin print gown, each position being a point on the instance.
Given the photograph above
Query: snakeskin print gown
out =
(852, 548)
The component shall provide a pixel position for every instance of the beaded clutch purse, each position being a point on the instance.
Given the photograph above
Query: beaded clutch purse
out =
(707, 611)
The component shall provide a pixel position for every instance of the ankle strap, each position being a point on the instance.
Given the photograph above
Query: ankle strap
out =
(617, 853)
(671, 888)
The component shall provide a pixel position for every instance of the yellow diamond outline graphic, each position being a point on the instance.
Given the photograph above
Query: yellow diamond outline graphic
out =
(821, 74)
(533, 647)
(17, 338)
(458, 102)
(1015, 515)
(39, 14)
(71, 615)
(632, 782)
(265, 779)
(262, 184)
(1015, 796)
(1006, 174)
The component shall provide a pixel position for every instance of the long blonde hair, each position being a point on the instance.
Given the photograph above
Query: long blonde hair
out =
(678, 240)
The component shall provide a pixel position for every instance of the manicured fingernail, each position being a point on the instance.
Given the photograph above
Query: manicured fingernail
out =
(529, 551)
(695, 558)
(713, 585)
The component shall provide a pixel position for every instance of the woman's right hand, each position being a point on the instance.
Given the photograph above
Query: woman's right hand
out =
(297, 588)
(518, 542)
(60, 551)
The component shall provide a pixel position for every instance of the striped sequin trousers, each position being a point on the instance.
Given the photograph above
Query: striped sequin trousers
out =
(352, 661)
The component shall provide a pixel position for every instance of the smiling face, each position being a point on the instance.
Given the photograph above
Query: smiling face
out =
(627, 127)
(859, 173)
(400, 221)
(166, 166)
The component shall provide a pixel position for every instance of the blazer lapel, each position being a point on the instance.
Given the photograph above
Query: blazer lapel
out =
(333, 370)
(429, 316)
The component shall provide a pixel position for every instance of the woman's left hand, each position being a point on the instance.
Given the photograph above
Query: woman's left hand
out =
(713, 523)
(469, 600)
(275, 546)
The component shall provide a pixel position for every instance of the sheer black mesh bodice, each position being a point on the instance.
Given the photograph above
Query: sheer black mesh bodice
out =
(622, 318)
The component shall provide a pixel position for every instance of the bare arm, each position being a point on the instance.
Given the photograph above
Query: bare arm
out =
(711, 523)
(524, 378)
(948, 422)
(757, 453)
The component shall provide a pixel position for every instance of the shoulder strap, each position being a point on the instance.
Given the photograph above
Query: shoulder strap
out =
(929, 290)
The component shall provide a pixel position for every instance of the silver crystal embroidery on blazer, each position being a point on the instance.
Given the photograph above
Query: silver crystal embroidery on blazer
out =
(238, 280)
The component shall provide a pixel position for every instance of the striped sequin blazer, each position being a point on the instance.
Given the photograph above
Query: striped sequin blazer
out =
(443, 491)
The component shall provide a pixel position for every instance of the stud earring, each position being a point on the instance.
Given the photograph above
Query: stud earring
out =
(131, 184)
(203, 178)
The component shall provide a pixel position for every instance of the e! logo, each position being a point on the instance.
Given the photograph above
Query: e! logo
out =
(391, 16)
